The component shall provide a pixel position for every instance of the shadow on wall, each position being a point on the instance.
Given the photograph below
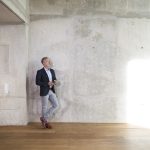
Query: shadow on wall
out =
(32, 90)
(138, 92)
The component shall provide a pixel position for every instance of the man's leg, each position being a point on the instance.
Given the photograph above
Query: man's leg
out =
(44, 104)
(44, 100)
(54, 104)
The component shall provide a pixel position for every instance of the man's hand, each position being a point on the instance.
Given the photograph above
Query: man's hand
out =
(50, 83)
(55, 82)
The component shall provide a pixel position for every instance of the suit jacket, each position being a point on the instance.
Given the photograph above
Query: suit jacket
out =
(42, 81)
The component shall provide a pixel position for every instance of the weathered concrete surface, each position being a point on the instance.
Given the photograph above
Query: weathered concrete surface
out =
(125, 8)
(13, 67)
(90, 43)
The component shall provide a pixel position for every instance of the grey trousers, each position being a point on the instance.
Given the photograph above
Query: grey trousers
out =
(48, 112)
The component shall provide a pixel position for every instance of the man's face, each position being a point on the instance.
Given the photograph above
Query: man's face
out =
(46, 63)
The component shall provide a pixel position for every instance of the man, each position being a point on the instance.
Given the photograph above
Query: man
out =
(46, 79)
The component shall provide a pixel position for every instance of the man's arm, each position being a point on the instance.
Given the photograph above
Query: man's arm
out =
(38, 79)
(54, 75)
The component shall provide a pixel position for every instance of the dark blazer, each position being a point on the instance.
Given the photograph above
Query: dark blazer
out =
(42, 80)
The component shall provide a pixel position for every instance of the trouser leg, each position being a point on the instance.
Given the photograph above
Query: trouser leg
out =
(54, 105)
(48, 112)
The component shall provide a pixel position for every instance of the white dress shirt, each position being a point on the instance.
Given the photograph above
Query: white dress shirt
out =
(48, 73)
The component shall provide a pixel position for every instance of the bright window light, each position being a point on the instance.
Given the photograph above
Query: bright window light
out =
(138, 92)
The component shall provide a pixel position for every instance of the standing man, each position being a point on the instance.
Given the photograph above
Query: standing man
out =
(46, 79)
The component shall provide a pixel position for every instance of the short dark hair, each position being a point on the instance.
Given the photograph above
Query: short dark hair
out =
(44, 58)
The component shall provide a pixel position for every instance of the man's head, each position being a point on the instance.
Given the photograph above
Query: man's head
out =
(47, 63)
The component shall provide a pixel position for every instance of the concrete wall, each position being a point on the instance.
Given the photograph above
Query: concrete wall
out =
(13, 67)
(91, 43)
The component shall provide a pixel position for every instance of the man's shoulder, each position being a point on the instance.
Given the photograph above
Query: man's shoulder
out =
(52, 69)
(40, 70)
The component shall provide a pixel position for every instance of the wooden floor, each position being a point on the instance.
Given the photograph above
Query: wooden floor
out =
(74, 136)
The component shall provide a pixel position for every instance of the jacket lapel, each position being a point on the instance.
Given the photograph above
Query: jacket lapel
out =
(45, 73)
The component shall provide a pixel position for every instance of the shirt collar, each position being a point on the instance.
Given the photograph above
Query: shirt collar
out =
(46, 69)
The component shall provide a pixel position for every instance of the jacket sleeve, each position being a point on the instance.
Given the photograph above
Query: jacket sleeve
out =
(38, 79)
(54, 75)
